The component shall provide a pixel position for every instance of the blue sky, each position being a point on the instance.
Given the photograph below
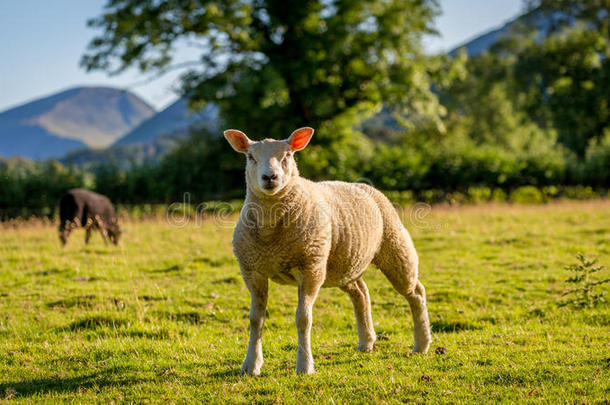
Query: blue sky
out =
(41, 42)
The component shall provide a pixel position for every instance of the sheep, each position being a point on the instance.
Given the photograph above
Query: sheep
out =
(90, 210)
(295, 231)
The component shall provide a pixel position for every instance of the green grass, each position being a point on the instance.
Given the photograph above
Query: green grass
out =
(165, 317)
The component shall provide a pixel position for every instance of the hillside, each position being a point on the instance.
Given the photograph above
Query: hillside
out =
(123, 156)
(152, 139)
(481, 43)
(174, 121)
(74, 118)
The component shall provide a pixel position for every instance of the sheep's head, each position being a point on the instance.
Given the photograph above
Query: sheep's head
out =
(270, 165)
(114, 232)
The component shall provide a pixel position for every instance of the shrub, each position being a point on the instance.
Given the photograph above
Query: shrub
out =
(432, 196)
(550, 192)
(479, 194)
(498, 195)
(578, 192)
(400, 198)
(526, 195)
(457, 198)
(596, 167)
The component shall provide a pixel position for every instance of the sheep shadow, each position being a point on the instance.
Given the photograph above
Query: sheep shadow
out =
(93, 323)
(223, 261)
(79, 301)
(232, 371)
(115, 377)
(445, 326)
(169, 269)
(53, 271)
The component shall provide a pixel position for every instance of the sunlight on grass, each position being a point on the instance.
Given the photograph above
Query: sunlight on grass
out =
(165, 317)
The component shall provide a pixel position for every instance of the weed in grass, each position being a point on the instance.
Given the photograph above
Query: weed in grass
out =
(584, 286)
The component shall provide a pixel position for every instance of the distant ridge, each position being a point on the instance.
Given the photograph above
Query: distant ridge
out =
(83, 116)
(152, 139)
(542, 21)
(174, 121)
(483, 42)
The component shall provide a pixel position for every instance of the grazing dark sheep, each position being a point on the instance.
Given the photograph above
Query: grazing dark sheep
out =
(90, 210)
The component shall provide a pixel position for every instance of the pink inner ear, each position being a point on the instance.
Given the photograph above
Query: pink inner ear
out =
(300, 138)
(240, 143)
(238, 140)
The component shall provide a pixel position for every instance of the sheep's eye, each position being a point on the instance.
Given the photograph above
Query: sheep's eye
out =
(286, 157)
(251, 158)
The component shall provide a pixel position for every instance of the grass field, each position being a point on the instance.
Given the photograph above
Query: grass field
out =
(164, 318)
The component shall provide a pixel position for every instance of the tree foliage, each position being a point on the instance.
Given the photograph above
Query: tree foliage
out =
(272, 67)
(558, 62)
(526, 119)
(28, 188)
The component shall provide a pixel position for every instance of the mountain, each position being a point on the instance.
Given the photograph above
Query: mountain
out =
(123, 156)
(174, 121)
(152, 139)
(34, 142)
(483, 42)
(543, 21)
(75, 118)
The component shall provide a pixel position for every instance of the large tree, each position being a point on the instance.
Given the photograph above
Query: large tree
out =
(273, 65)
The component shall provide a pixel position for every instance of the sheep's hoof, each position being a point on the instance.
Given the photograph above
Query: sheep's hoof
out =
(420, 350)
(366, 347)
(248, 369)
(306, 370)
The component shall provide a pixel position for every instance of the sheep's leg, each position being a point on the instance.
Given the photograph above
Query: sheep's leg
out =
(87, 235)
(308, 292)
(359, 295)
(397, 260)
(258, 287)
(104, 233)
(421, 323)
(64, 232)
(101, 226)
(63, 237)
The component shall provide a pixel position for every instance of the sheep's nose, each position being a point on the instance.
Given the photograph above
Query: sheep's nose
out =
(268, 178)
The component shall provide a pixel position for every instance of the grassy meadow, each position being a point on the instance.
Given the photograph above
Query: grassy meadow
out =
(164, 317)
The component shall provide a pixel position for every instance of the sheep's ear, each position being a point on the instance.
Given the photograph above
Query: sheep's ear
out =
(238, 140)
(299, 139)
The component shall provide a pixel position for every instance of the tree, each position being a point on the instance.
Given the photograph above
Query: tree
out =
(273, 66)
(561, 68)
(565, 12)
(203, 166)
(568, 77)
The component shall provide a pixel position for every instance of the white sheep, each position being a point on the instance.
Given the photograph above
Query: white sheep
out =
(295, 231)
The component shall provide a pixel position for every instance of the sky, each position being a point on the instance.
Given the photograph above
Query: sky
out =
(42, 41)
